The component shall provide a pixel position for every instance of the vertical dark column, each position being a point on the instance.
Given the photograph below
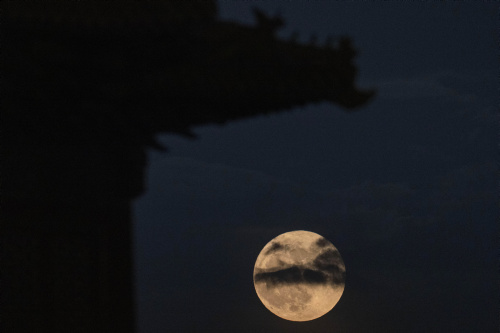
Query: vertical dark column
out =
(66, 268)
(116, 273)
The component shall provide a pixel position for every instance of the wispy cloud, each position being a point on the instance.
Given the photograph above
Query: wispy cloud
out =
(461, 87)
(419, 88)
(326, 268)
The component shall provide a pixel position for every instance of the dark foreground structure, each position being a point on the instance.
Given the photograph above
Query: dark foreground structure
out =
(87, 86)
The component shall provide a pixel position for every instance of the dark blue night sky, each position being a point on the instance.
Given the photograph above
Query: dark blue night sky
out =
(405, 187)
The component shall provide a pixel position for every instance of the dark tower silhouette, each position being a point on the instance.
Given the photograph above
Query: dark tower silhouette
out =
(87, 85)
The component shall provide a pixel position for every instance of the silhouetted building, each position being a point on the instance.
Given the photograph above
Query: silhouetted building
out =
(87, 86)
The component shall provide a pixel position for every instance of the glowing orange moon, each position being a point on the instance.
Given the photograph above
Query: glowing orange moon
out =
(299, 275)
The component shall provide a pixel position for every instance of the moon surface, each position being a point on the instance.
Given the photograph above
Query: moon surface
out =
(299, 275)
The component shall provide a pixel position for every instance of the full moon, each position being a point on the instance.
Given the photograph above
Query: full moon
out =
(299, 276)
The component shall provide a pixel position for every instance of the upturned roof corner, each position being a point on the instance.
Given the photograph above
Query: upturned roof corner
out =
(172, 60)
